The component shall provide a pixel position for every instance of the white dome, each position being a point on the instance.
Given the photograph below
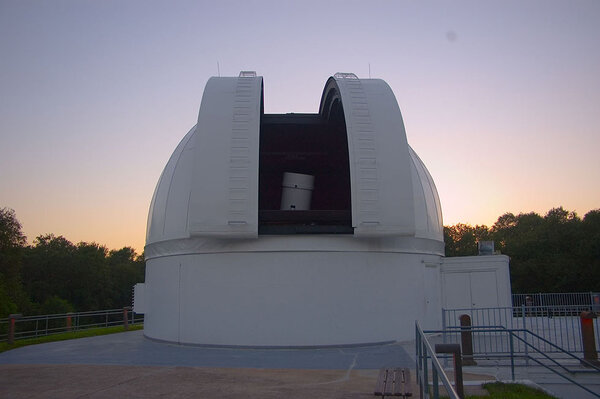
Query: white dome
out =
(169, 209)
(230, 262)
(172, 206)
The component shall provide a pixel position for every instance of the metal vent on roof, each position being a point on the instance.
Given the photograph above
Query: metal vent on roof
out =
(485, 247)
(345, 75)
(247, 74)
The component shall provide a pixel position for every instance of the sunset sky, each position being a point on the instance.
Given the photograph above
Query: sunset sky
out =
(500, 99)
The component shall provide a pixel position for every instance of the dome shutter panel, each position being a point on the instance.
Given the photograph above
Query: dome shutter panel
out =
(224, 187)
(382, 190)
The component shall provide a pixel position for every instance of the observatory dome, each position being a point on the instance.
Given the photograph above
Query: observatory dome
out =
(293, 229)
(171, 207)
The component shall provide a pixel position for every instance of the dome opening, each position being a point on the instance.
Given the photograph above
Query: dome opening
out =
(306, 144)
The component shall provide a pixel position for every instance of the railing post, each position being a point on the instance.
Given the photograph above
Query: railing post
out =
(512, 356)
(425, 371)
(435, 383)
(11, 327)
(444, 335)
(418, 351)
(466, 340)
(590, 355)
(526, 349)
(69, 322)
(458, 374)
(419, 360)
(595, 303)
(126, 317)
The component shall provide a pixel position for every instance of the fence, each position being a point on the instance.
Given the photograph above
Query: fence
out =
(537, 355)
(37, 326)
(589, 299)
(427, 360)
(559, 325)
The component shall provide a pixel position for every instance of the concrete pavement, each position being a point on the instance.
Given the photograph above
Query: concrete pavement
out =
(131, 348)
(130, 366)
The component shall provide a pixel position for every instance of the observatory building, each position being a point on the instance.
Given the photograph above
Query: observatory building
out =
(284, 230)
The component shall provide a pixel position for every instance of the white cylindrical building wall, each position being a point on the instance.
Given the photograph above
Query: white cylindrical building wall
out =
(212, 279)
(282, 298)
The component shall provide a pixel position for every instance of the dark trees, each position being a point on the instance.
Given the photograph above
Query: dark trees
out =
(47, 268)
(558, 252)
(86, 275)
(12, 241)
(461, 239)
(55, 276)
(125, 269)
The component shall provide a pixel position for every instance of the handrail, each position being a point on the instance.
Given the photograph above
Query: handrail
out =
(512, 334)
(556, 347)
(424, 351)
(40, 325)
(564, 376)
(63, 315)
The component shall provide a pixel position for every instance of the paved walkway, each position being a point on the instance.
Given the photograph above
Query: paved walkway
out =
(149, 382)
(130, 366)
(133, 349)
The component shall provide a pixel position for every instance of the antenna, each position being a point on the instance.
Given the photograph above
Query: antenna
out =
(218, 69)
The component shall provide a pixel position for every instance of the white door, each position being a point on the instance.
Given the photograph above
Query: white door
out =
(457, 290)
(484, 292)
(477, 289)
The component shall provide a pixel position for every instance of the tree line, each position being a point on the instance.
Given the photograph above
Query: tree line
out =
(53, 275)
(557, 252)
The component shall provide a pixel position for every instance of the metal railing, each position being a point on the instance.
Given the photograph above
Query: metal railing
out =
(515, 338)
(559, 325)
(426, 360)
(588, 299)
(38, 326)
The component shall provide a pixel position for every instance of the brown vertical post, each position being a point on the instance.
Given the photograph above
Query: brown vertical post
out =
(11, 327)
(69, 322)
(590, 355)
(458, 374)
(466, 340)
(11, 330)
(125, 318)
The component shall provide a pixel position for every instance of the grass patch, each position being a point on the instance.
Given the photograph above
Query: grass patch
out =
(90, 332)
(500, 390)
(514, 391)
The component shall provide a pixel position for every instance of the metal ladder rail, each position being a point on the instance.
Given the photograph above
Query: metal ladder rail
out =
(529, 344)
(512, 335)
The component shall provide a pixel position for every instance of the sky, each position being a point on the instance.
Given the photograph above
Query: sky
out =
(500, 99)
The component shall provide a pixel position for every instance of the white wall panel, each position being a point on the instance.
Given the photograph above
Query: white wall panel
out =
(476, 281)
(295, 298)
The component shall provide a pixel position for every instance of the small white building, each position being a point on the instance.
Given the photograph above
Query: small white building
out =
(295, 229)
